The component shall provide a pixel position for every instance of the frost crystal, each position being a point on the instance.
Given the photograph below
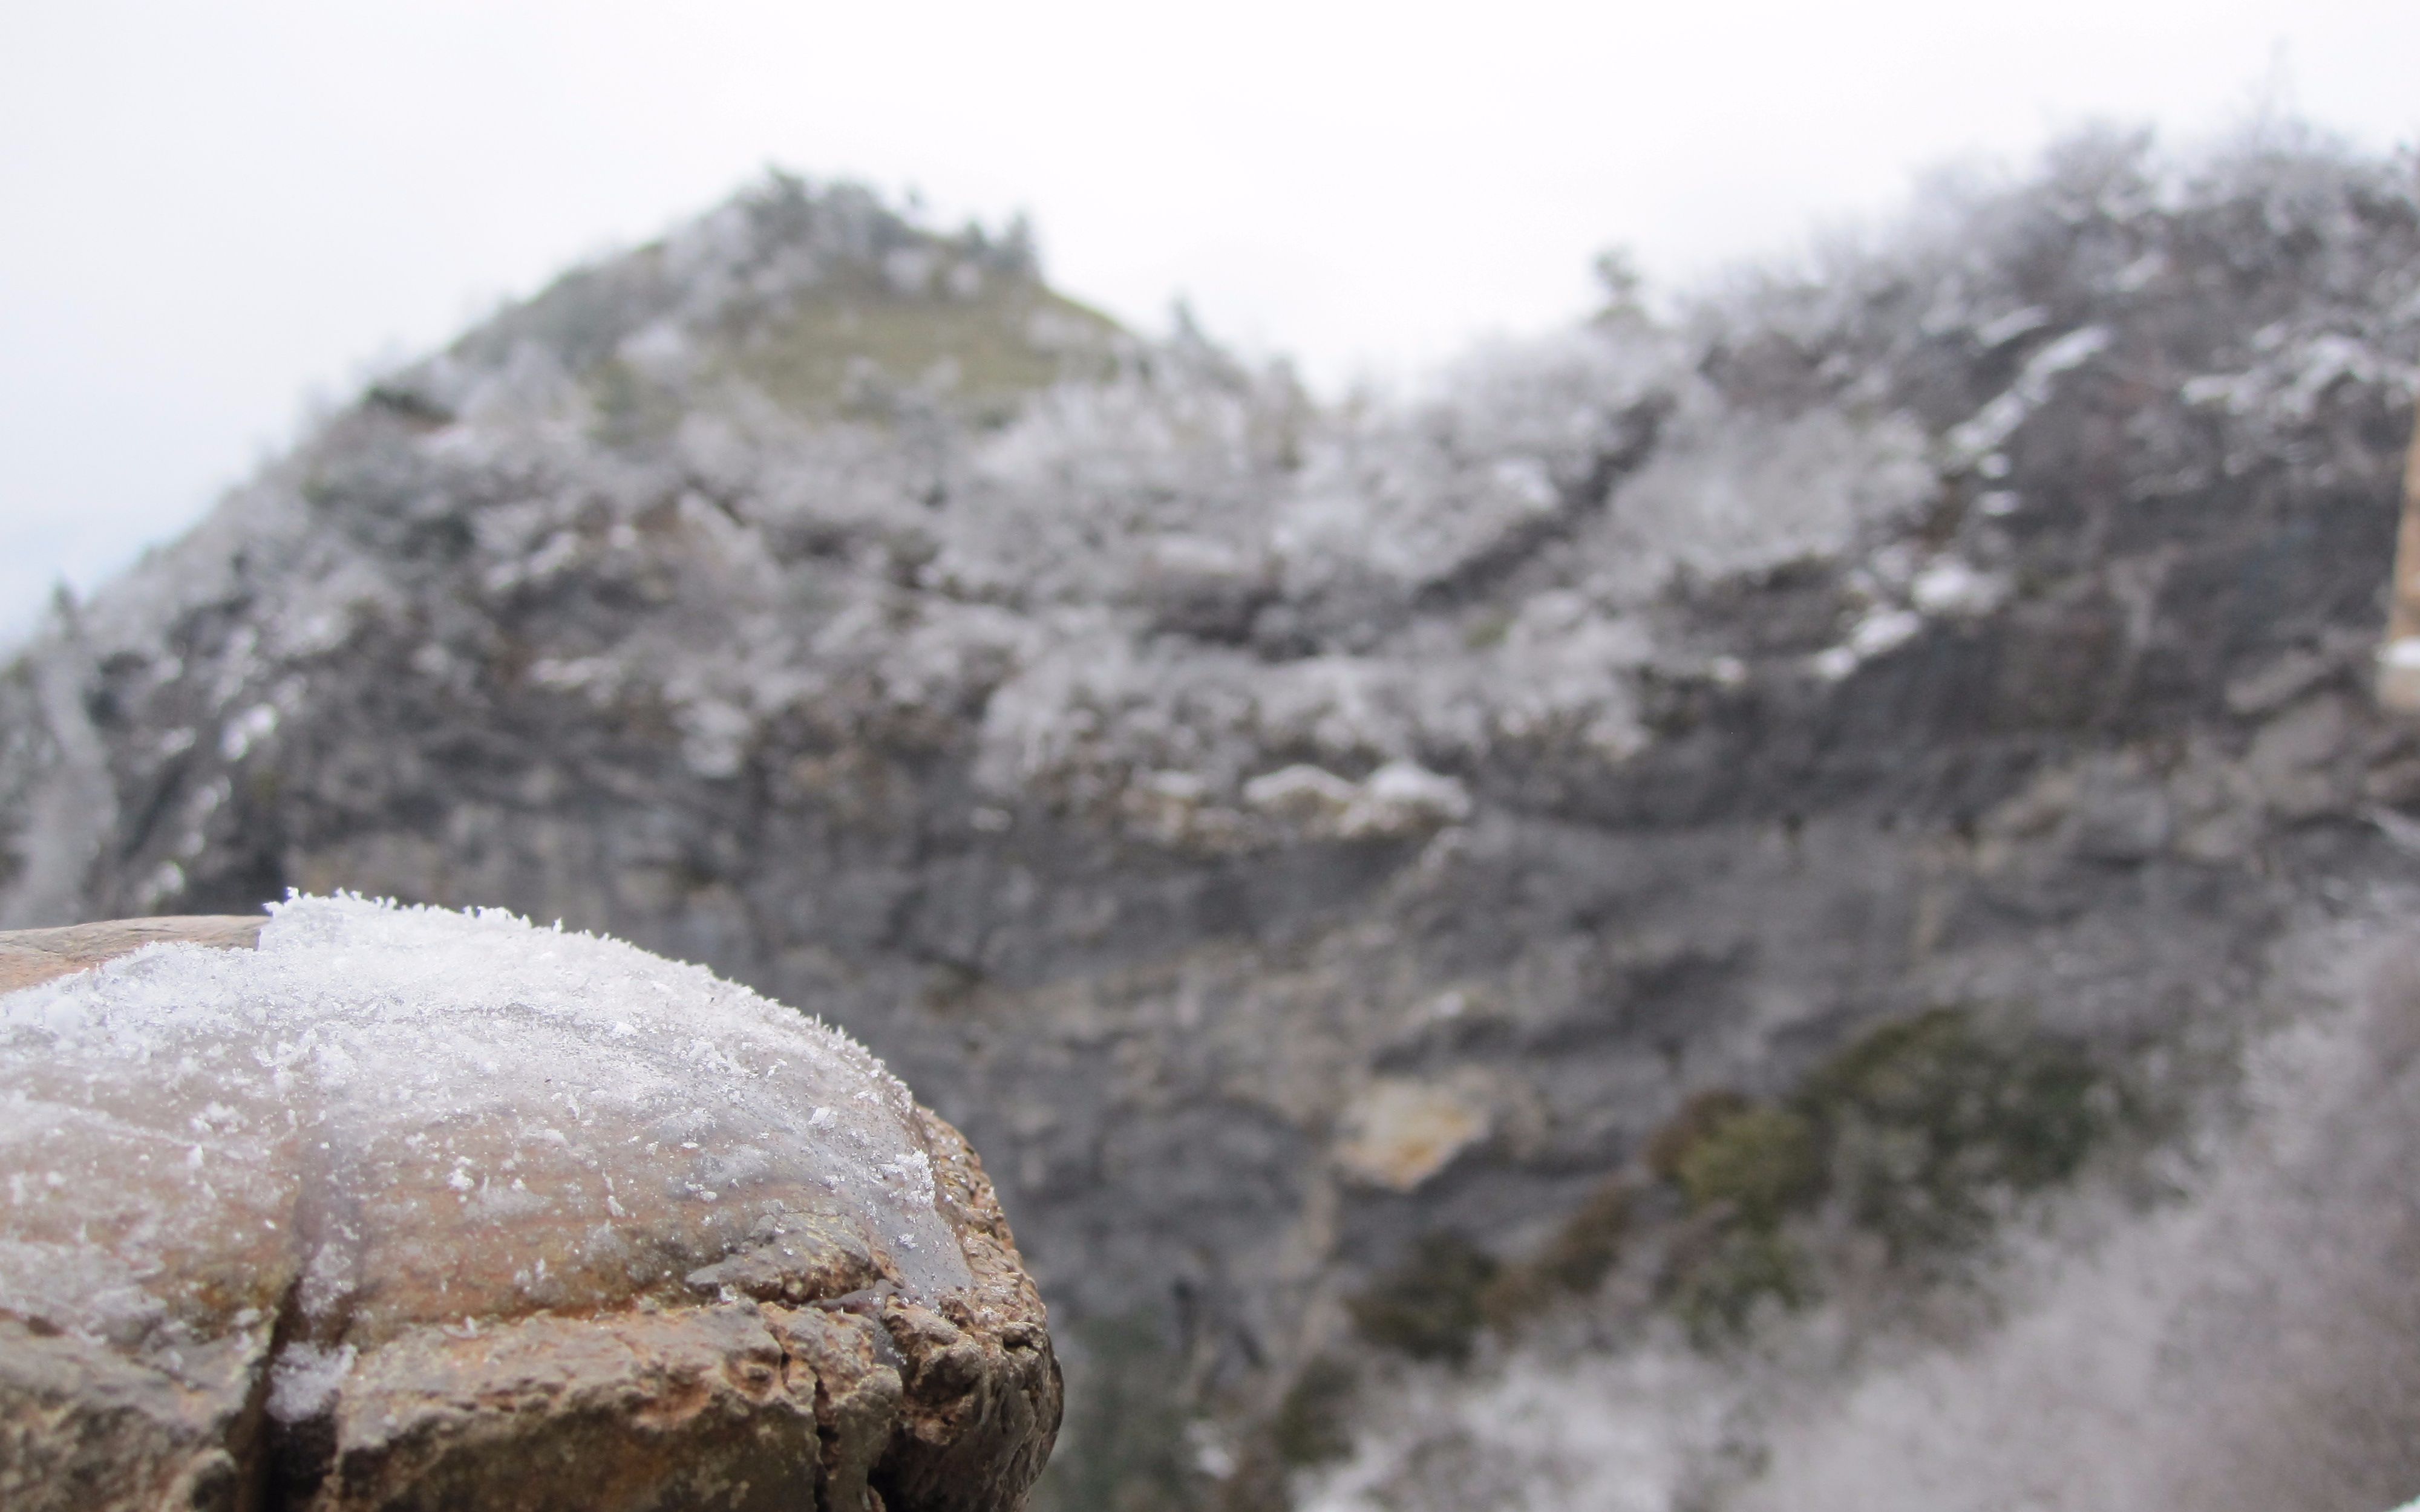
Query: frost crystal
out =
(382, 1103)
(306, 1378)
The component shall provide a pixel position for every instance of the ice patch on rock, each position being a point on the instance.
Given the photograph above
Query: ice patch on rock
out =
(1398, 799)
(1996, 422)
(1883, 629)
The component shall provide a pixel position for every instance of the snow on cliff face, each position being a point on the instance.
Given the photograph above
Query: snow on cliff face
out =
(1160, 764)
(420, 1116)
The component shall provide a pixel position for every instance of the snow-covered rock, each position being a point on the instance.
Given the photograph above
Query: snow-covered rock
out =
(449, 1196)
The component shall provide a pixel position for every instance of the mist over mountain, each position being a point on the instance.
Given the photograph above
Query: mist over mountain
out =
(1788, 902)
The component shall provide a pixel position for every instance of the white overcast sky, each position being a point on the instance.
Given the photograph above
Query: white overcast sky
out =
(215, 210)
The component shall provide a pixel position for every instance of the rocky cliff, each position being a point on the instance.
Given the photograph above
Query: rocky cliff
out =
(1312, 852)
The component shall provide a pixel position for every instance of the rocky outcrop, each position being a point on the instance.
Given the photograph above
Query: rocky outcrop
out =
(1292, 842)
(416, 1209)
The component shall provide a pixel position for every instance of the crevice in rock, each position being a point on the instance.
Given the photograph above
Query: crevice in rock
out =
(298, 1445)
(250, 1443)
(854, 1436)
(828, 1441)
(301, 1455)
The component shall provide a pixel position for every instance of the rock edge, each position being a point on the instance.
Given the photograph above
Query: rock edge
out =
(762, 1390)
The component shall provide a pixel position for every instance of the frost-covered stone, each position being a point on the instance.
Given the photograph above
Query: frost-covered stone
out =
(406, 1205)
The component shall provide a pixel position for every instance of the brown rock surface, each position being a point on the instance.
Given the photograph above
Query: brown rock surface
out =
(28, 956)
(409, 1208)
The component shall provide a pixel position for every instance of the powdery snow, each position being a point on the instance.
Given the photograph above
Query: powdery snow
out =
(384, 1105)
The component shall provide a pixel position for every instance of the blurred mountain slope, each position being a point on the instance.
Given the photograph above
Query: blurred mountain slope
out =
(1294, 842)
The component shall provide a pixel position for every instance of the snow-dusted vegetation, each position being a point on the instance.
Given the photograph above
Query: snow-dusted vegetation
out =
(1429, 907)
(1158, 574)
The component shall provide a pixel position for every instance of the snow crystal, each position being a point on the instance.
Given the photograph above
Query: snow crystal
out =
(306, 1378)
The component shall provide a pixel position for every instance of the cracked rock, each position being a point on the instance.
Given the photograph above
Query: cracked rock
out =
(408, 1209)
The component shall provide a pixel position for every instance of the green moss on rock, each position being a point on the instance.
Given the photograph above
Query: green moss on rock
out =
(1429, 1307)
(1759, 1163)
(1701, 1113)
(1922, 1131)
(1933, 1122)
(1716, 1295)
(1312, 1425)
(1573, 1262)
(1123, 1447)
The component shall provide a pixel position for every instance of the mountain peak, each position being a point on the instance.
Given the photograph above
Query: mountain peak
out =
(816, 302)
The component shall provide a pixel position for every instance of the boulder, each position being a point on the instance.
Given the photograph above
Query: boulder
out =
(411, 1208)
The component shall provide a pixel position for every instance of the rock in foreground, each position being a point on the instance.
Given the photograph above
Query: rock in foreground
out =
(412, 1208)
